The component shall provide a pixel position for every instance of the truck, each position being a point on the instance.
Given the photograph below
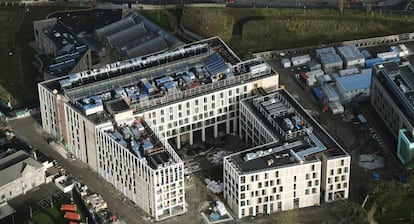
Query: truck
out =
(318, 94)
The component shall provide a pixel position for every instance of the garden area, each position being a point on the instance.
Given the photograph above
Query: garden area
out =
(53, 215)
(268, 29)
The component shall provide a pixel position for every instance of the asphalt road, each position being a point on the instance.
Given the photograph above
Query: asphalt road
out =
(29, 130)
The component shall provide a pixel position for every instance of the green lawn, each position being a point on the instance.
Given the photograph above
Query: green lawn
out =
(159, 18)
(42, 218)
(404, 211)
(18, 76)
(285, 28)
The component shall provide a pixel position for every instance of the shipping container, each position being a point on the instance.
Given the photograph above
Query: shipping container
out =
(386, 55)
(68, 207)
(315, 73)
(299, 60)
(366, 54)
(317, 93)
(72, 216)
(286, 63)
(370, 62)
(396, 60)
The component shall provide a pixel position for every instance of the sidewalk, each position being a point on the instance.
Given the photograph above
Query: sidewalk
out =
(371, 214)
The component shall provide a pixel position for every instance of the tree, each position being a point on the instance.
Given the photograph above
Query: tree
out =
(287, 217)
(388, 193)
(355, 213)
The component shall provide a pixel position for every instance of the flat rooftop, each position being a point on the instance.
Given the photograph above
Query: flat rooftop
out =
(300, 138)
(64, 40)
(159, 79)
(350, 52)
(354, 82)
(140, 140)
(399, 83)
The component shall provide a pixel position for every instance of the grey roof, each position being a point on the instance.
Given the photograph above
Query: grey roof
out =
(12, 166)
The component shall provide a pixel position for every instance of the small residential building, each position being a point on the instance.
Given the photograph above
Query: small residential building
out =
(19, 173)
(351, 56)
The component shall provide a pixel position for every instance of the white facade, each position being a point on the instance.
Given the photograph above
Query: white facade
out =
(158, 191)
(284, 172)
(268, 191)
(182, 115)
(335, 181)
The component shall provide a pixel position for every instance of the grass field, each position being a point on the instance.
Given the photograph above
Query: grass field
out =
(285, 28)
(18, 76)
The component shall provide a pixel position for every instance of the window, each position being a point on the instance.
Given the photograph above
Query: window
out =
(346, 170)
(313, 167)
(316, 182)
(279, 205)
(313, 175)
(281, 189)
(329, 180)
(332, 172)
(342, 162)
(307, 176)
(313, 190)
(339, 170)
(294, 178)
(306, 191)
(345, 185)
(309, 183)
(343, 177)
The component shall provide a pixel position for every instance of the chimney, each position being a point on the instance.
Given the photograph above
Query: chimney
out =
(270, 162)
(35, 155)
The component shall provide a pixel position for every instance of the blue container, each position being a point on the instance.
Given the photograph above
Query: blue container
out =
(370, 62)
(317, 93)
